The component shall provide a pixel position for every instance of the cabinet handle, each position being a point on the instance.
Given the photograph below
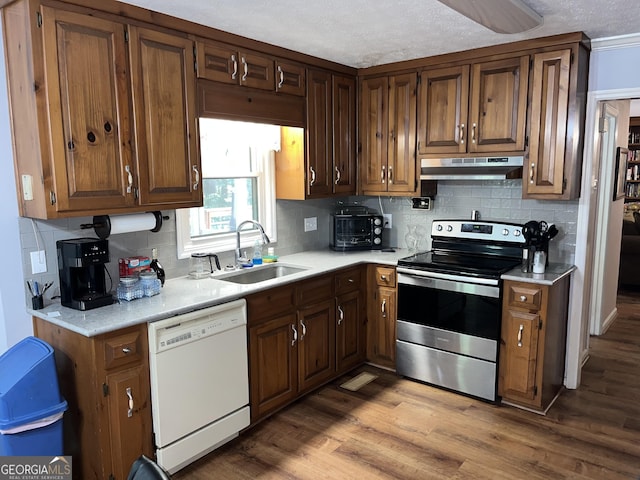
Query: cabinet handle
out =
(295, 335)
(382, 174)
(129, 178)
(340, 315)
(523, 298)
(383, 277)
(313, 176)
(246, 68)
(281, 74)
(384, 308)
(462, 133)
(304, 330)
(532, 173)
(234, 74)
(390, 174)
(350, 280)
(337, 175)
(130, 411)
(473, 133)
(197, 173)
(520, 335)
(126, 350)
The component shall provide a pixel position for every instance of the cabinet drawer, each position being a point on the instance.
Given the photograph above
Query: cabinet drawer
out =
(348, 280)
(315, 290)
(269, 303)
(385, 276)
(124, 348)
(524, 295)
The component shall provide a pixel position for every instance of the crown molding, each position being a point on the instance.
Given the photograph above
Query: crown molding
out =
(621, 41)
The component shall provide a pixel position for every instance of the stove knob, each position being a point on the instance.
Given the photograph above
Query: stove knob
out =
(439, 228)
(449, 228)
(505, 232)
(517, 233)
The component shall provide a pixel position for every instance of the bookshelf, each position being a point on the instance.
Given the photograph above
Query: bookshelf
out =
(632, 185)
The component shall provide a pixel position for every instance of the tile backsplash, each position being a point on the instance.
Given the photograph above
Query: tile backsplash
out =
(499, 200)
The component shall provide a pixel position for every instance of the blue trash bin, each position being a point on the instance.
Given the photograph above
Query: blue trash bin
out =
(31, 406)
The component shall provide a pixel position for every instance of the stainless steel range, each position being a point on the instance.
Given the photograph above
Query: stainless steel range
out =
(450, 305)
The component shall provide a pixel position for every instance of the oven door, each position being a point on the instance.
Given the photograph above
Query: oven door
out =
(448, 331)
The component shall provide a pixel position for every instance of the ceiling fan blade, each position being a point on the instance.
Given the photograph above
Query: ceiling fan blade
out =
(501, 16)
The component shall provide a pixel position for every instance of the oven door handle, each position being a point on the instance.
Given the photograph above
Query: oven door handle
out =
(447, 276)
(451, 285)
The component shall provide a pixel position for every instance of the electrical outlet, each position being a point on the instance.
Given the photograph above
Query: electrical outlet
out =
(310, 224)
(38, 262)
(387, 220)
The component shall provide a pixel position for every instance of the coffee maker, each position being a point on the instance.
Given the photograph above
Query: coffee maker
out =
(81, 267)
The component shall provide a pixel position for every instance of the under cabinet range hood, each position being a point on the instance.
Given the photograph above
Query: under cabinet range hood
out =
(475, 168)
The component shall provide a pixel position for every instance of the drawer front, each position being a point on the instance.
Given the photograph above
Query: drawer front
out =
(348, 280)
(315, 290)
(386, 276)
(524, 295)
(267, 304)
(124, 348)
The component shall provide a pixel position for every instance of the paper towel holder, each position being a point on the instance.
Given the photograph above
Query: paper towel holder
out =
(102, 223)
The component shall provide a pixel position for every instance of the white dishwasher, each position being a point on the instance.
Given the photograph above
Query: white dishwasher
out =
(199, 382)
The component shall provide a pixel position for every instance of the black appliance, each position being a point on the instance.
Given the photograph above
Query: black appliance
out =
(355, 227)
(81, 268)
(450, 305)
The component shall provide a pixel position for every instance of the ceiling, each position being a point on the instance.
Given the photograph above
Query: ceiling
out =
(362, 33)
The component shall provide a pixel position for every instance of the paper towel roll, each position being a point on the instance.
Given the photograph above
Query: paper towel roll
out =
(105, 225)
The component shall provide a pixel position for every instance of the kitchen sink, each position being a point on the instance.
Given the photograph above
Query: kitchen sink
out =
(259, 274)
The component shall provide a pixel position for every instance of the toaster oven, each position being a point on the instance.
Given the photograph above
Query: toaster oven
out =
(356, 231)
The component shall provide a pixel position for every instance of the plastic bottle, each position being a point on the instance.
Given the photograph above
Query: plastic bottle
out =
(156, 267)
(257, 253)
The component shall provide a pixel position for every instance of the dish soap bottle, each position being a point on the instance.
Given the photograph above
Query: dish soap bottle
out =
(156, 267)
(257, 253)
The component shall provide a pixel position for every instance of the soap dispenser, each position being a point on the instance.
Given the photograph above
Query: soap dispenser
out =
(257, 253)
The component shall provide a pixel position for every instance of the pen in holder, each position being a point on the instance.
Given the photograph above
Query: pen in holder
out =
(37, 294)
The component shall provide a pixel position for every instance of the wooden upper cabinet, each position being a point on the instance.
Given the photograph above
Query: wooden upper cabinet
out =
(545, 166)
(344, 135)
(319, 134)
(290, 78)
(442, 110)
(388, 135)
(227, 64)
(89, 110)
(163, 82)
(477, 108)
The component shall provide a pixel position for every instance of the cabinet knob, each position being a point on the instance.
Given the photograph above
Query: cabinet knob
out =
(126, 350)
(523, 298)
(383, 277)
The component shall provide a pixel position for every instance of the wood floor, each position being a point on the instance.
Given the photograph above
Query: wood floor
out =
(394, 428)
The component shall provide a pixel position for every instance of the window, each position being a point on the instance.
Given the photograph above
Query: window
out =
(238, 182)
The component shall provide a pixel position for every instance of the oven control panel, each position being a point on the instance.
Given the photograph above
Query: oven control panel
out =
(481, 230)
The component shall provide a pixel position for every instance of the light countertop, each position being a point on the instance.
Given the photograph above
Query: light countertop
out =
(553, 273)
(184, 294)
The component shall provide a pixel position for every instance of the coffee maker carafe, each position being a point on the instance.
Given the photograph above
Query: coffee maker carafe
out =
(81, 267)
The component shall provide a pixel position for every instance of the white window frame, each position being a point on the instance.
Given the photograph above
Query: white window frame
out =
(227, 241)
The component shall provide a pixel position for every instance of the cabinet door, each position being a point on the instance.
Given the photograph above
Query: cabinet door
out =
(498, 105)
(163, 82)
(316, 345)
(319, 134)
(401, 159)
(544, 170)
(256, 71)
(219, 63)
(519, 354)
(89, 110)
(442, 110)
(374, 121)
(129, 418)
(382, 328)
(273, 364)
(350, 330)
(344, 135)
(290, 79)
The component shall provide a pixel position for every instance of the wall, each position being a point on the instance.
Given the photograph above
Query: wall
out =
(15, 324)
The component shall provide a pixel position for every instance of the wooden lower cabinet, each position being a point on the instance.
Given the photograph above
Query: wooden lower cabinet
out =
(382, 315)
(302, 336)
(98, 376)
(532, 343)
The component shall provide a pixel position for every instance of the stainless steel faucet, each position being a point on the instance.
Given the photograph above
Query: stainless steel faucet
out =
(265, 239)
